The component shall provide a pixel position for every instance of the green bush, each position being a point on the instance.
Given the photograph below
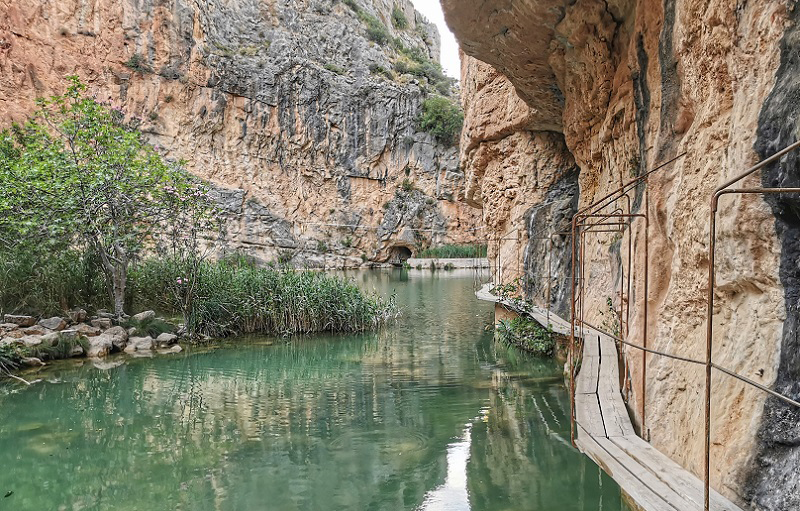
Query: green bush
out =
(442, 118)
(138, 63)
(527, 335)
(333, 68)
(398, 18)
(453, 252)
(376, 31)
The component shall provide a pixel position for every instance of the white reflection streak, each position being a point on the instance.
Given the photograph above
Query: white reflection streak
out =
(452, 495)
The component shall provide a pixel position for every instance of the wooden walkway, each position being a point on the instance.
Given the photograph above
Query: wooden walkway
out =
(604, 431)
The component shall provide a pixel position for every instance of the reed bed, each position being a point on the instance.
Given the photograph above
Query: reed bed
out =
(233, 299)
(453, 252)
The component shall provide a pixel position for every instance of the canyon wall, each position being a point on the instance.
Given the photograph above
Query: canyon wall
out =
(297, 112)
(565, 101)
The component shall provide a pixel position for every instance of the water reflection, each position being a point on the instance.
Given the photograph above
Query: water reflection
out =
(429, 414)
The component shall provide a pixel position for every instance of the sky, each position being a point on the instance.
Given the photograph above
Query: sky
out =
(432, 10)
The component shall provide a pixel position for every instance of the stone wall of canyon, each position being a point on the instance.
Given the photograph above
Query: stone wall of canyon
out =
(287, 107)
(567, 100)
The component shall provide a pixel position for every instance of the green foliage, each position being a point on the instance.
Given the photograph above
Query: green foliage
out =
(376, 31)
(416, 62)
(407, 185)
(243, 299)
(78, 175)
(333, 68)
(442, 118)
(453, 252)
(347, 242)
(381, 71)
(138, 63)
(398, 18)
(527, 335)
(322, 247)
(612, 318)
(45, 281)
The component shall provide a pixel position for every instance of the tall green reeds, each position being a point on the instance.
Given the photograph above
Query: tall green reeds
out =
(453, 252)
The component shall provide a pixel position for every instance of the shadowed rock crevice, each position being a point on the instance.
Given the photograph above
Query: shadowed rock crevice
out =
(775, 476)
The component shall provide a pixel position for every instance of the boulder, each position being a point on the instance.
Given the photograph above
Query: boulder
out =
(16, 334)
(51, 339)
(119, 337)
(69, 335)
(99, 346)
(102, 323)
(170, 351)
(105, 315)
(77, 315)
(88, 331)
(144, 316)
(32, 340)
(31, 361)
(136, 344)
(77, 351)
(35, 330)
(20, 320)
(166, 339)
(54, 323)
(8, 326)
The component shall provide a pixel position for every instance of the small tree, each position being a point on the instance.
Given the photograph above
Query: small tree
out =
(80, 174)
(442, 118)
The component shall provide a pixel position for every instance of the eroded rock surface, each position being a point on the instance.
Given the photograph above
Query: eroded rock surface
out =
(285, 106)
(623, 86)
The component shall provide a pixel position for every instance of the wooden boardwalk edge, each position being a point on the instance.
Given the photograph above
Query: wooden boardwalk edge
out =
(605, 433)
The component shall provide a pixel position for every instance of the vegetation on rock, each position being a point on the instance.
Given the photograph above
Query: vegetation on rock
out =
(443, 118)
(527, 335)
(398, 18)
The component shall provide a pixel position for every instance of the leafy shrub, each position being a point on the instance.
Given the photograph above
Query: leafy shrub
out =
(398, 18)
(376, 31)
(407, 185)
(138, 63)
(527, 335)
(442, 118)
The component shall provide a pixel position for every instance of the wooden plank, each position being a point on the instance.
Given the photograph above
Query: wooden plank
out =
(586, 382)
(615, 414)
(673, 475)
(645, 496)
(587, 414)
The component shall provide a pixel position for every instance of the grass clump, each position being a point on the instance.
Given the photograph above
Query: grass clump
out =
(453, 251)
(443, 118)
(527, 335)
(398, 18)
(333, 68)
(376, 31)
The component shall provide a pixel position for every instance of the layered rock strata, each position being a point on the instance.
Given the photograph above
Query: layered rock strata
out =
(290, 108)
(623, 86)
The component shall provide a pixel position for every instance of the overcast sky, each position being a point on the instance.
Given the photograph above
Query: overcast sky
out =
(432, 10)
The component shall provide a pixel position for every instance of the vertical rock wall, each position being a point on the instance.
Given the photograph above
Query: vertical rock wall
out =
(290, 108)
(626, 85)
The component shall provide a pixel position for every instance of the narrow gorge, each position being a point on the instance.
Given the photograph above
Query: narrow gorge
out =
(565, 102)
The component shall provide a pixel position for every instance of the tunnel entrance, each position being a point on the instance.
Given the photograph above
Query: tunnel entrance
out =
(399, 255)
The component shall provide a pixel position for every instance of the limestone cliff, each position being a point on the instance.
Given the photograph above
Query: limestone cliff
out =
(291, 108)
(567, 100)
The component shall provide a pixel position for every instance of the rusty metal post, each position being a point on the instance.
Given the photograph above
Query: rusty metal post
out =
(571, 358)
(709, 342)
(646, 300)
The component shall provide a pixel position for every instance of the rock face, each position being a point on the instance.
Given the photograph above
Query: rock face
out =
(289, 108)
(565, 102)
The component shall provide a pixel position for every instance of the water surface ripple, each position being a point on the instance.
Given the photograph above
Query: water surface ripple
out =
(428, 415)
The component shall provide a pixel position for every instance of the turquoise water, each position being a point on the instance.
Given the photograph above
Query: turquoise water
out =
(429, 414)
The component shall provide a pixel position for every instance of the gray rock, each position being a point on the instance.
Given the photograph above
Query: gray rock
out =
(69, 335)
(86, 330)
(166, 339)
(102, 323)
(119, 337)
(105, 315)
(77, 351)
(32, 340)
(144, 316)
(8, 326)
(51, 339)
(136, 344)
(54, 323)
(171, 351)
(20, 320)
(35, 330)
(32, 361)
(77, 315)
(99, 346)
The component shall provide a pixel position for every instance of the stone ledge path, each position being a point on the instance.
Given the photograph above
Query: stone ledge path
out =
(604, 431)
